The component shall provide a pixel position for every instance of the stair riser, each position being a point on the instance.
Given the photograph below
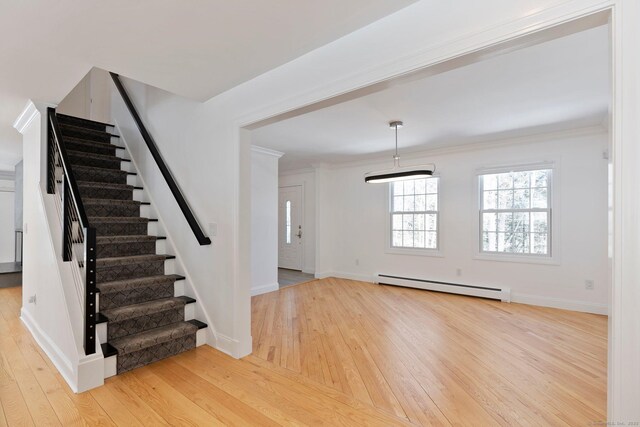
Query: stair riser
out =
(144, 323)
(136, 295)
(111, 176)
(103, 149)
(84, 134)
(113, 210)
(121, 228)
(98, 163)
(129, 271)
(110, 250)
(81, 123)
(157, 352)
(106, 193)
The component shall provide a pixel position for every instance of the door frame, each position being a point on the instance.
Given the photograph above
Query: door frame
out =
(302, 222)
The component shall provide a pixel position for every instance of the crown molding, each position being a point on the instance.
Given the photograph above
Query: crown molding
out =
(266, 151)
(476, 146)
(29, 112)
(299, 171)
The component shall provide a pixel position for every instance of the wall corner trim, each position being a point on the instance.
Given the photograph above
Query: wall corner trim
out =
(266, 151)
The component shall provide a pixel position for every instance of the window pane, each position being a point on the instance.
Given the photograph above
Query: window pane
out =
(520, 243)
(540, 178)
(409, 187)
(432, 185)
(503, 245)
(521, 222)
(407, 222)
(539, 222)
(489, 242)
(521, 199)
(505, 199)
(420, 186)
(539, 243)
(288, 221)
(521, 179)
(407, 239)
(489, 222)
(409, 203)
(397, 238)
(418, 223)
(397, 222)
(539, 198)
(505, 181)
(421, 203)
(398, 188)
(431, 240)
(431, 222)
(490, 200)
(490, 182)
(432, 202)
(504, 221)
(419, 239)
(398, 204)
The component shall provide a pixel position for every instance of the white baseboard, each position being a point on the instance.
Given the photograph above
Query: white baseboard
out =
(233, 347)
(565, 304)
(264, 289)
(343, 275)
(60, 361)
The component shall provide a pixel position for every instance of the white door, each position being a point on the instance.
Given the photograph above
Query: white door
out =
(290, 232)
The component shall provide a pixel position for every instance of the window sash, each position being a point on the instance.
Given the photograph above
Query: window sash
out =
(529, 233)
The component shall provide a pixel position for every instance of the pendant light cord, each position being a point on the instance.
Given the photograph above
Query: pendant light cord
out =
(396, 156)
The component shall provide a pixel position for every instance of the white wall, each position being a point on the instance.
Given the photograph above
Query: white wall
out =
(7, 221)
(359, 215)
(307, 180)
(264, 220)
(89, 99)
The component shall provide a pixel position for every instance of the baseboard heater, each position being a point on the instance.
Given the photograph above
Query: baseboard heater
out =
(500, 294)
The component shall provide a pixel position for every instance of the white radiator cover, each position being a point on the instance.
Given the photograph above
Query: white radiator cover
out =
(493, 292)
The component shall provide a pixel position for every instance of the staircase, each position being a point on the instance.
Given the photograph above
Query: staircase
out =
(142, 315)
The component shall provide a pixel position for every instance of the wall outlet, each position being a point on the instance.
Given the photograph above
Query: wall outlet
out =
(32, 299)
(589, 285)
(458, 272)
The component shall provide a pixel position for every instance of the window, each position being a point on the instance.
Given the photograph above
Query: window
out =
(414, 214)
(288, 222)
(515, 212)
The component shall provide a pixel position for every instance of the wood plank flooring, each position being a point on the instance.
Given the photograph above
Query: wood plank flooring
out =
(339, 352)
(436, 358)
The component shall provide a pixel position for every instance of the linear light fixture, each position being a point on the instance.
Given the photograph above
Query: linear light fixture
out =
(399, 173)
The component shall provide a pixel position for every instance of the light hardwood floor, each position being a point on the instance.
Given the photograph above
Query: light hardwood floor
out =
(337, 352)
(436, 358)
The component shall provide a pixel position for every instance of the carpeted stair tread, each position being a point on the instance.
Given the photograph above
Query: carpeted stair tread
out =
(143, 309)
(79, 121)
(116, 219)
(92, 184)
(87, 146)
(125, 239)
(98, 169)
(96, 156)
(74, 128)
(136, 259)
(90, 201)
(126, 284)
(153, 337)
(98, 174)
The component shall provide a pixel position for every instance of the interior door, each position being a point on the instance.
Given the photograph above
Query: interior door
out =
(290, 232)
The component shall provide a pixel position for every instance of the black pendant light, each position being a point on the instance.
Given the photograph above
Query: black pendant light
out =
(399, 173)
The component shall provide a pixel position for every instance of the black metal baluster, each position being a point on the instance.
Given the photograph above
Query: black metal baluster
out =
(67, 225)
(90, 290)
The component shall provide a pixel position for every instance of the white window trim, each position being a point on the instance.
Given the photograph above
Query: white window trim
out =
(389, 249)
(554, 238)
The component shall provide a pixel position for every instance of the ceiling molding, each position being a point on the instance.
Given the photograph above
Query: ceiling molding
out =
(470, 147)
(297, 171)
(266, 151)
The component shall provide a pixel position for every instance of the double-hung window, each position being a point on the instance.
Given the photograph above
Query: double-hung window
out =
(414, 214)
(515, 212)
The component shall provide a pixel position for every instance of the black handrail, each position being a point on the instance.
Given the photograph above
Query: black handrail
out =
(166, 173)
(72, 212)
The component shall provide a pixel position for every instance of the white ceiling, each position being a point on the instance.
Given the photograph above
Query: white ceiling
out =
(196, 49)
(557, 85)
